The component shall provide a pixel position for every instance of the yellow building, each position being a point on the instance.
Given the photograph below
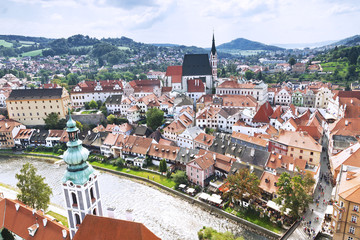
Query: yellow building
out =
(345, 221)
(298, 145)
(31, 106)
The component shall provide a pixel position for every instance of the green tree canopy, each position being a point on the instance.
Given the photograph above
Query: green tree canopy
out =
(241, 183)
(162, 166)
(292, 61)
(249, 74)
(180, 177)
(111, 118)
(51, 121)
(79, 125)
(154, 118)
(33, 190)
(208, 233)
(294, 192)
(93, 104)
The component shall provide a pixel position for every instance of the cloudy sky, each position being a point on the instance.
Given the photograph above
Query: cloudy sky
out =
(188, 22)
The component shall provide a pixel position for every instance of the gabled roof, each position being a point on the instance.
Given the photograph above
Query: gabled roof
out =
(195, 85)
(346, 127)
(205, 161)
(18, 221)
(163, 151)
(250, 139)
(196, 65)
(263, 114)
(205, 139)
(175, 72)
(283, 161)
(95, 227)
(111, 139)
(349, 156)
(267, 182)
(298, 140)
(24, 134)
(175, 127)
(114, 100)
(7, 125)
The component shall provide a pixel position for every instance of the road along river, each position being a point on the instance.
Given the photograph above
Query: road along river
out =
(167, 216)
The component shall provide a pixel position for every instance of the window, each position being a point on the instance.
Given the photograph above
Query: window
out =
(74, 199)
(311, 153)
(292, 149)
(311, 159)
(341, 203)
(94, 211)
(301, 151)
(77, 219)
(352, 230)
(291, 155)
(353, 219)
(350, 238)
(356, 208)
(92, 196)
(300, 157)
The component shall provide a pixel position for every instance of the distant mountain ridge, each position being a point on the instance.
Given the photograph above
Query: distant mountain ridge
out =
(350, 41)
(245, 44)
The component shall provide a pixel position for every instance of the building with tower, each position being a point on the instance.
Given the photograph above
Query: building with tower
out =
(195, 66)
(80, 182)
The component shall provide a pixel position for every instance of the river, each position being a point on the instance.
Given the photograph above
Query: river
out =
(167, 216)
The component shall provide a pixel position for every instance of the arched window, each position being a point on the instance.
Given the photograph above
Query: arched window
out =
(74, 199)
(92, 196)
(77, 219)
(94, 211)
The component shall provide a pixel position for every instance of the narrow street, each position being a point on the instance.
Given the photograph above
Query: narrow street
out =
(315, 214)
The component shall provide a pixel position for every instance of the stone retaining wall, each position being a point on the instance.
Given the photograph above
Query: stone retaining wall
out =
(246, 224)
(89, 118)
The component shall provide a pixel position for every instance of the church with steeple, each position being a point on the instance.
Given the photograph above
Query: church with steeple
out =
(80, 182)
(195, 66)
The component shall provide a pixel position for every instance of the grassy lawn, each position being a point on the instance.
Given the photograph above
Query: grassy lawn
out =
(332, 66)
(45, 153)
(33, 53)
(59, 217)
(89, 112)
(157, 177)
(5, 43)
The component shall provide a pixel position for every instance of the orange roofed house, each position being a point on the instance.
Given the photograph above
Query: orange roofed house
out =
(298, 145)
(8, 131)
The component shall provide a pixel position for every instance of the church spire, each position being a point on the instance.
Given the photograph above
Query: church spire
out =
(213, 48)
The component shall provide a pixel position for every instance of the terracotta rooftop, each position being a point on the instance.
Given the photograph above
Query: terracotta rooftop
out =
(298, 140)
(250, 139)
(17, 218)
(263, 114)
(175, 72)
(111, 139)
(205, 161)
(95, 227)
(195, 85)
(205, 139)
(175, 127)
(346, 127)
(267, 182)
(163, 151)
(283, 161)
(8, 125)
(349, 185)
(24, 134)
(235, 84)
(349, 156)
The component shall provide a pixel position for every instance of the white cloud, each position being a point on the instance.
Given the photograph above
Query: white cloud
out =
(56, 16)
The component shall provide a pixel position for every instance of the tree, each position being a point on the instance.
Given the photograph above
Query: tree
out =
(208, 233)
(79, 125)
(249, 74)
(51, 120)
(154, 118)
(93, 104)
(111, 119)
(292, 61)
(180, 178)
(243, 182)
(294, 192)
(162, 166)
(103, 109)
(33, 190)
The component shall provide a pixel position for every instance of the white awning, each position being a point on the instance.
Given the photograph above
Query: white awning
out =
(204, 196)
(182, 186)
(214, 200)
(329, 209)
(190, 190)
(276, 207)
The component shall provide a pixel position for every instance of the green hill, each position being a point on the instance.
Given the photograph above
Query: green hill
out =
(245, 44)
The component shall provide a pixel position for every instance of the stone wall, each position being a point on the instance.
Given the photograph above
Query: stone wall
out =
(88, 118)
(245, 224)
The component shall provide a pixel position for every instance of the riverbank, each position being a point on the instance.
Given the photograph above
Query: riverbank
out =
(46, 157)
(166, 185)
(244, 223)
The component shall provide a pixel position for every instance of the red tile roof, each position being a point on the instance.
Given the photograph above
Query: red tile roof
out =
(250, 139)
(95, 227)
(18, 221)
(107, 86)
(267, 182)
(195, 85)
(264, 113)
(175, 72)
(163, 151)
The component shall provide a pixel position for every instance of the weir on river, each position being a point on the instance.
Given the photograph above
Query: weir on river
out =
(167, 216)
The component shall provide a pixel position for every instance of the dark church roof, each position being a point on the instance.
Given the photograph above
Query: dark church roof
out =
(196, 65)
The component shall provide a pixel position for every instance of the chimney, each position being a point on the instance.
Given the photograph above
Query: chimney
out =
(45, 222)
(17, 206)
(252, 152)
(111, 212)
(346, 122)
(214, 157)
(129, 215)
(6, 125)
(32, 229)
(64, 233)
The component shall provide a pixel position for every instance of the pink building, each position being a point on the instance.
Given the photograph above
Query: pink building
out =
(201, 168)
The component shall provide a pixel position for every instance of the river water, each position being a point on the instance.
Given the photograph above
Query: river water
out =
(167, 216)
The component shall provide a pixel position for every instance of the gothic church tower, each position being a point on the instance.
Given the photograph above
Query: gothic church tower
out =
(213, 59)
(80, 182)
